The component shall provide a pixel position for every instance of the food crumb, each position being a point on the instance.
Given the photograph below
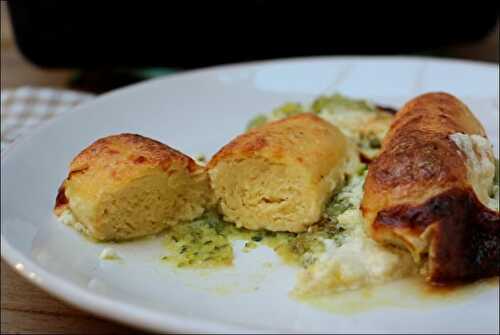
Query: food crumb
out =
(109, 254)
(249, 246)
(200, 158)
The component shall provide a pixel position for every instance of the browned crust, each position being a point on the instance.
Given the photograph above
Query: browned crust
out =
(387, 109)
(246, 144)
(466, 235)
(412, 177)
(120, 154)
(439, 113)
(140, 149)
(61, 200)
(256, 139)
(418, 150)
(416, 156)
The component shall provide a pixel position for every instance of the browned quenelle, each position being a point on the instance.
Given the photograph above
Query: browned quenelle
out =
(419, 194)
(126, 186)
(279, 176)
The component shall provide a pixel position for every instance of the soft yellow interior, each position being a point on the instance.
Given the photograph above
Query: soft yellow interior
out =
(143, 206)
(257, 194)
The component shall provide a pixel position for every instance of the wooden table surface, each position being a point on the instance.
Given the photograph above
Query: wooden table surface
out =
(26, 308)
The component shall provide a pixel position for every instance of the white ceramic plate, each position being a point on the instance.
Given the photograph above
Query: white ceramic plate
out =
(199, 112)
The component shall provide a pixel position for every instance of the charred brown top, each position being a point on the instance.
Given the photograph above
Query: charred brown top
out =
(137, 148)
(416, 157)
(61, 200)
(418, 194)
(387, 109)
(466, 234)
(118, 158)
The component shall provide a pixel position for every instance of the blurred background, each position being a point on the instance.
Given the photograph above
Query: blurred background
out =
(98, 47)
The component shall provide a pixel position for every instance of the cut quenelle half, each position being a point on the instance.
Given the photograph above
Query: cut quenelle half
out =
(127, 186)
(280, 175)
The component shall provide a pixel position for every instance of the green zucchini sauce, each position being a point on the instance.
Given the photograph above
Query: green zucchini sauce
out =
(207, 241)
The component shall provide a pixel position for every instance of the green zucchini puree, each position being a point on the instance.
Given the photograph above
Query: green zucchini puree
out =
(207, 241)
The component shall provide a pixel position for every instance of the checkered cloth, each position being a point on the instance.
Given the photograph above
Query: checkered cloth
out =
(24, 108)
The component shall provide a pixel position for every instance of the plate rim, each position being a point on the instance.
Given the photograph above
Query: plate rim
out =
(121, 312)
(129, 313)
(234, 66)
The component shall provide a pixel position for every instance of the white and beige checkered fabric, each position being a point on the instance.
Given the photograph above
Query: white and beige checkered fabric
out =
(24, 108)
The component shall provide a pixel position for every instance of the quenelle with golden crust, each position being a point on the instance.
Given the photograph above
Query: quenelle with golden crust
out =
(127, 186)
(428, 191)
(280, 175)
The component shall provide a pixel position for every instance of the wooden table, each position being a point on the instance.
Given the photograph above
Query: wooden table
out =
(26, 308)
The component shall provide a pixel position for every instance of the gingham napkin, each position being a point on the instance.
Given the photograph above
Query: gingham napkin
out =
(24, 108)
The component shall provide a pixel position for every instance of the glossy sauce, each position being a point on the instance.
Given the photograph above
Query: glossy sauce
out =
(405, 293)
